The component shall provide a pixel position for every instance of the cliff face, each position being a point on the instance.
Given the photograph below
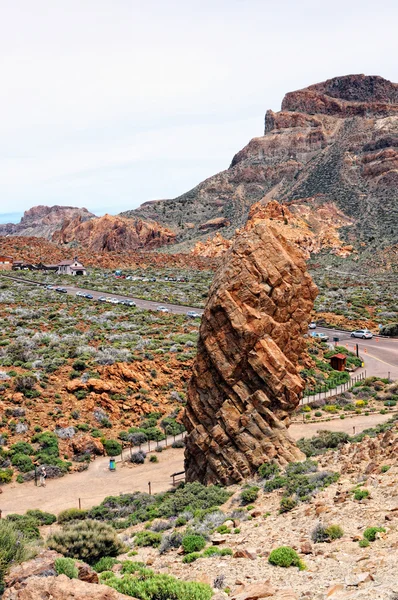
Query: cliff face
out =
(333, 144)
(43, 221)
(245, 382)
(113, 234)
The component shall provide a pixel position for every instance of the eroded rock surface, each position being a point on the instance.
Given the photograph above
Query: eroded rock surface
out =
(245, 382)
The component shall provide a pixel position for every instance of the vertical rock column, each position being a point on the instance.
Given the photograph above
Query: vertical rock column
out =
(245, 382)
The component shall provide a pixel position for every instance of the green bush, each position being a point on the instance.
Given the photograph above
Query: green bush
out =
(360, 494)
(364, 543)
(191, 557)
(268, 470)
(148, 538)
(276, 483)
(14, 547)
(287, 504)
(249, 495)
(193, 495)
(370, 533)
(66, 566)
(104, 564)
(385, 468)
(6, 475)
(86, 540)
(193, 543)
(71, 514)
(28, 526)
(22, 462)
(334, 532)
(112, 447)
(285, 557)
(153, 458)
(44, 518)
(146, 585)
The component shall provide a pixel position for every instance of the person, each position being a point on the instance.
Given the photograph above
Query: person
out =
(43, 476)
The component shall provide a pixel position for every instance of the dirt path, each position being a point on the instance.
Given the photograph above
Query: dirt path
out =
(93, 485)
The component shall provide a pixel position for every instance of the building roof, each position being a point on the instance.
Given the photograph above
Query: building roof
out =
(338, 356)
(65, 263)
(5, 256)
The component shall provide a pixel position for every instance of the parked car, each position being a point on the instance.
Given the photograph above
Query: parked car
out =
(312, 325)
(61, 290)
(49, 287)
(80, 294)
(193, 314)
(127, 302)
(108, 299)
(114, 301)
(88, 296)
(162, 309)
(320, 336)
(102, 299)
(364, 334)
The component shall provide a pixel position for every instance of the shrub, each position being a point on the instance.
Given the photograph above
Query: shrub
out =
(370, 533)
(71, 514)
(193, 543)
(191, 557)
(249, 495)
(44, 518)
(285, 557)
(275, 484)
(27, 526)
(178, 444)
(195, 496)
(364, 543)
(6, 475)
(150, 586)
(334, 532)
(138, 458)
(79, 365)
(148, 538)
(360, 494)
(287, 504)
(322, 442)
(268, 470)
(385, 468)
(173, 540)
(319, 535)
(153, 458)
(13, 547)
(66, 566)
(301, 468)
(112, 447)
(86, 540)
(104, 564)
(22, 462)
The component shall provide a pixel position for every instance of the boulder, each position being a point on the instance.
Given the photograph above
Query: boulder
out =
(245, 382)
(85, 444)
(61, 588)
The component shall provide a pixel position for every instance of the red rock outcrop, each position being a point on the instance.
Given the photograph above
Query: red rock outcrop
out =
(43, 221)
(245, 382)
(114, 234)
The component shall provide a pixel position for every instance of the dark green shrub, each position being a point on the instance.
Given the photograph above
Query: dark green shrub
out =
(79, 365)
(44, 518)
(71, 514)
(370, 533)
(285, 557)
(112, 447)
(385, 468)
(66, 566)
(364, 543)
(6, 475)
(148, 538)
(191, 557)
(193, 543)
(301, 468)
(193, 495)
(153, 458)
(13, 547)
(275, 484)
(22, 462)
(249, 495)
(105, 564)
(268, 470)
(334, 532)
(22, 448)
(28, 526)
(360, 494)
(86, 540)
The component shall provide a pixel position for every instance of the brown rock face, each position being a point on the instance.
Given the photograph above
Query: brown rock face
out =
(43, 221)
(114, 234)
(245, 382)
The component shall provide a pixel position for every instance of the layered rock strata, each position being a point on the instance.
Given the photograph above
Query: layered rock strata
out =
(245, 382)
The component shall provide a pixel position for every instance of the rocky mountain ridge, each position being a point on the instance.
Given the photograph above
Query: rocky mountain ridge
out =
(333, 144)
(44, 221)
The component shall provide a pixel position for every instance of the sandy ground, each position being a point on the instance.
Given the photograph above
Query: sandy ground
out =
(93, 485)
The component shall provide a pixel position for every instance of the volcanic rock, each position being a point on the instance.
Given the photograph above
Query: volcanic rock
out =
(43, 221)
(245, 382)
(61, 588)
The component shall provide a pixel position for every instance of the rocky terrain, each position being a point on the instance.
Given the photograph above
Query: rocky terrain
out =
(245, 382)
(113, 234)
(331, 150)
(43, 221)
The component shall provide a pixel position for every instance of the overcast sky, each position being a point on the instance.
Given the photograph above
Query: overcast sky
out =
(109, 103)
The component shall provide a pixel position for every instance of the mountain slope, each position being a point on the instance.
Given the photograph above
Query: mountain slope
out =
(333, 143)
(43, 221)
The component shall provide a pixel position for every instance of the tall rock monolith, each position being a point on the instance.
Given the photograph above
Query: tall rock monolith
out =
(245, 383)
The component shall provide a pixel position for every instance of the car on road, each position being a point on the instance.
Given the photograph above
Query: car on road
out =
(320, 336)
(49, 287)
(364, 334)
(162, 309)
(193, 314)
(89, 296)
(61, 290)
(127, 303)
(114, 301)
(80, 294)
(312, 325)
(102, 299)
